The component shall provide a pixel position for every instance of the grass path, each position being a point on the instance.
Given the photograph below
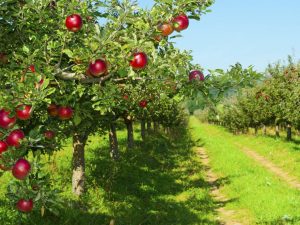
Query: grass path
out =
(255, 193)
(290, 179)
(225, 216)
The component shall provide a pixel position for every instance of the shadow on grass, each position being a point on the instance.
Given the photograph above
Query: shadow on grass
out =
(286, 220)
(157, 182)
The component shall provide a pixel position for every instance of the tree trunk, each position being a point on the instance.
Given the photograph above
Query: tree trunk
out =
(78, 164)
(289, 132)
(113, 141)
(148, 126)
(277, 130)
(155, 127)
(264, 130)
(255, 131)
(130, 137)
(143, 130)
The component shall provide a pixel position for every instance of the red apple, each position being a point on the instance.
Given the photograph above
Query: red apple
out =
(3, 147)
(74, 22)
(23, 112)
(143, 103)
(52, 110)
(97, 67)
(181, 22)
(25, 205)
(65, 112)
(166, 29)
(49, 134)
(139, 60)
(14, 138)
(3, 58)
(6, 122)
(32, 68)
(21, 169)
(196, 74)
(125, 97)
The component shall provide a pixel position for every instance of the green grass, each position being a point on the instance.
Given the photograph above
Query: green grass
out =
(257, 195)
(158, 182)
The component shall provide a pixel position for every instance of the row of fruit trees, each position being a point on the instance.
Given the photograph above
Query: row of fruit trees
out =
(73, 68)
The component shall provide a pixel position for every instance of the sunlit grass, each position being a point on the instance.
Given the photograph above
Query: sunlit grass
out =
(158, 182)
(265, 198)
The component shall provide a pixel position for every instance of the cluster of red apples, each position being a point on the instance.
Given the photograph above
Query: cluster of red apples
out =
(98, 67)
(13, 140)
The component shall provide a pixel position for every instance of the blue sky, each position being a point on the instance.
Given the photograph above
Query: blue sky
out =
(252, 32)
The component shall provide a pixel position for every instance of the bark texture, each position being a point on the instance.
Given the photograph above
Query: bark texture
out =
(78, 164)
(113, 141)
(143, 130)
(130, 136)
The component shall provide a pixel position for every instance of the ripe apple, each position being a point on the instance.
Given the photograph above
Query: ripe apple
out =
(65, 112)
(3, 58)
(25, 205)
(6, 122)
(23, 112)
(166, 29)
(143, 103)
(196, 74)
(14, 138)
(52, 110)
(97, 67)
(181, 22)
(139, 60)
(21, 169)
(125, 97)
(49, 134)
(32, 68)
(74, 22)
(3, 147)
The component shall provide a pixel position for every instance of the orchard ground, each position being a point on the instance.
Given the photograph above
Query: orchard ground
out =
(163, 181)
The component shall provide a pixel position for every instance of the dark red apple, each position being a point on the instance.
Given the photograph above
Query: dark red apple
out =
(97, 67)
(143, 103)
(25, 205)
(14, 138)
(6, 122)
(139, 60)
(196, 74)
(74, 22)
(21, 169)
(52, 110)
(181, 22)
(49, 134)
(3, 58)
(166, 29)
(3, 147)
(65, 112)
(23, 112)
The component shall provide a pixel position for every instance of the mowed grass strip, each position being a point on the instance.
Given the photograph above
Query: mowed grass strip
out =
(158, 182)
(251, 187)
